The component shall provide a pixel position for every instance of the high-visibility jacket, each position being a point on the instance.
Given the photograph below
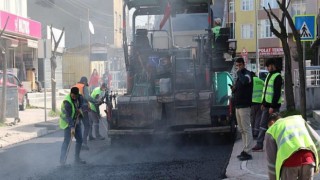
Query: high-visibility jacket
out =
(95, 92)
(257, 90)
(269, 91)
(216, 31)
(80, 86)
(291, 135)
(63, 121)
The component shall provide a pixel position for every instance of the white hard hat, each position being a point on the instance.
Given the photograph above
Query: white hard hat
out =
(217, 20)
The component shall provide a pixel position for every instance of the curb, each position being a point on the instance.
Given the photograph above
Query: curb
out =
(23, 133)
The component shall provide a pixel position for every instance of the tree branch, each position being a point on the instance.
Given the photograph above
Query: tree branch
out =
(274, 31)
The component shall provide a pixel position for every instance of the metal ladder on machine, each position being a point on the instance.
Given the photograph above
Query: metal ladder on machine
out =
(140, 88)
(194, 104)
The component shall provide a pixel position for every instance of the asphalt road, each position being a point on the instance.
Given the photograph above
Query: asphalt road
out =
(177, 158)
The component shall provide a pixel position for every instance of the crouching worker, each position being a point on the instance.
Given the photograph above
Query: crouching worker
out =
(291, 148)
(98, 94)
(70, 110)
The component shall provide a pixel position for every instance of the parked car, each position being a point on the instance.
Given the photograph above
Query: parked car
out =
(12, 80)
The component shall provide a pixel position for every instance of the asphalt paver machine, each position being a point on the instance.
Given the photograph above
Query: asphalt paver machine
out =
(177, 78)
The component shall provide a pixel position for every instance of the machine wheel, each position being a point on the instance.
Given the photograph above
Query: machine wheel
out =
(233, 129)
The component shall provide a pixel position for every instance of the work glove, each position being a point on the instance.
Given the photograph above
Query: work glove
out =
(73, 131)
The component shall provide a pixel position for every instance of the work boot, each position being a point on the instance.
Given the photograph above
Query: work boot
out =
(257, 148)
(241, 154)
(91, 138)
(79, 161)
(100, 137)
(85, 147)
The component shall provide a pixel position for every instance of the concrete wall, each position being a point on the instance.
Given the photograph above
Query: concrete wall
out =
(312, 96)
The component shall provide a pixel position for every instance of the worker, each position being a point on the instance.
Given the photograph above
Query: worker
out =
(98, 94)
(242, 91)
(292, 148)
(70, 110)
(256, 104)
(271, 100)
(216, 28)
(87, 123)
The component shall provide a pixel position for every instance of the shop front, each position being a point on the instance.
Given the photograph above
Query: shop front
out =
(23, 35)
(264, 54)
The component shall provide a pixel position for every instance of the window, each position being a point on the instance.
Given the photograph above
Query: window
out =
(273, 4)
(298, 7)
(265, 31)
(247, 31)
(247, 5)
(231, 6)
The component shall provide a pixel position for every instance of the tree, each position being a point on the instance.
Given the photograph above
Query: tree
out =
(283, 36)
(53, 67)
(4, 48)
(296, 34)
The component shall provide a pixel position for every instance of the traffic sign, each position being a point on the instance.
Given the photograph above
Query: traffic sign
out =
(306, 25)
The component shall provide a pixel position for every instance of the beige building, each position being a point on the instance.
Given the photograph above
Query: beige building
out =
(255, 41)
(118, 26)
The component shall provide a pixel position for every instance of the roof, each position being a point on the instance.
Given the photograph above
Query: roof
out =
(155, 7)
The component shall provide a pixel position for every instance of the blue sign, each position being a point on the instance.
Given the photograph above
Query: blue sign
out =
(306, 25)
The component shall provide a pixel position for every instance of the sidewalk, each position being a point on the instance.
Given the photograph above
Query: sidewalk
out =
(32, 124)
(257, 167)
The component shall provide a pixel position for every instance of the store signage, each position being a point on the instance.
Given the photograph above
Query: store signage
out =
(270, 51)
(20, 25)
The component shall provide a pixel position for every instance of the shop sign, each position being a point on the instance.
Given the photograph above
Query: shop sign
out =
(20, 25)
(270, 51)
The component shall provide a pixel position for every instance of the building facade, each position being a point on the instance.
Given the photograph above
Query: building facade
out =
(23, 34)
(255, 41)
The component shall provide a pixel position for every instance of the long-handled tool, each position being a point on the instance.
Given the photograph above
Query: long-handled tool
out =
(70, 142)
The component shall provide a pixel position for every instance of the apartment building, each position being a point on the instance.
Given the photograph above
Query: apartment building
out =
(255, 41)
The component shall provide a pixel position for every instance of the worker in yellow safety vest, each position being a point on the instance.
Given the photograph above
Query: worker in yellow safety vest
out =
(87, 122)
(292, 148)
(70, 111)
(256, 112)
(98, 94)
(271, 99)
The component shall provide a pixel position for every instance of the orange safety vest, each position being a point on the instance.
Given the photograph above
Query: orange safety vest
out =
(80, 86)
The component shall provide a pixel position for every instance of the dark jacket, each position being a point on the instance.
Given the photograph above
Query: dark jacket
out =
(277, 91)
(243, 89)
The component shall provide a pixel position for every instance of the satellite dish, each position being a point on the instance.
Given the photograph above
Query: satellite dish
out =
(91, 28)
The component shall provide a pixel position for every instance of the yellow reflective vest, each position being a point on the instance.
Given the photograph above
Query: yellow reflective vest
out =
(257, 90)
(269, 90)
(95, 92)
(291, 135)
(62, 121)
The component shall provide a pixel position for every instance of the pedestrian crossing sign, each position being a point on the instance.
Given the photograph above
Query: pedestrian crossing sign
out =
(306, 25)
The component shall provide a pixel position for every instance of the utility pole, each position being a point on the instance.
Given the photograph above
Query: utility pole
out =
(257, 38)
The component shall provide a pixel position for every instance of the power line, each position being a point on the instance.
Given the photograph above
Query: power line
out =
(72, 15)
(91, 7)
